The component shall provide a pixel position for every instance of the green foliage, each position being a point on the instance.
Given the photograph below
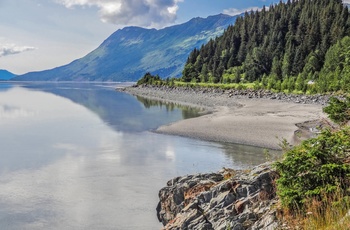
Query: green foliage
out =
(338, 110)
(335, 74)
(150, 79)
(214, 85)
(294, 40)
(233, 75)
(314, 168)
(188, 73)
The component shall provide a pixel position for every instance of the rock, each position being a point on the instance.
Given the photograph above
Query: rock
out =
(219, 96)
(216, 201)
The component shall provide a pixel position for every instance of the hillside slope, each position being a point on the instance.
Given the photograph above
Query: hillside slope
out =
(290, 39)
(130, 52)
(6, 75)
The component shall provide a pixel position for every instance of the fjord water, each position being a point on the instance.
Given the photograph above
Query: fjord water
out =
(82, 156)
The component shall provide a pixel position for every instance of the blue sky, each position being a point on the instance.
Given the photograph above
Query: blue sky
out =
(42, 34)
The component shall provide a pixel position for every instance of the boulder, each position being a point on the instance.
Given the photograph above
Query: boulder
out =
(228, 199)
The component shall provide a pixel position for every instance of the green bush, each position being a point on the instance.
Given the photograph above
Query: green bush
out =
(148, 78)
(314, 168)
(338, 110)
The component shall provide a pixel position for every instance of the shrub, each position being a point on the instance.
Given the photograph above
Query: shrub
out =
(148, 78)
(338, 110)
(315, 168)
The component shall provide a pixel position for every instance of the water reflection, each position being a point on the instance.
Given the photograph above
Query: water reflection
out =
(119, 110)
(247, 156)
(5, 86)
(187, 111)
(80, 157)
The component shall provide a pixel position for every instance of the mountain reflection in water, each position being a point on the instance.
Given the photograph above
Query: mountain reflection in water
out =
(80, 156)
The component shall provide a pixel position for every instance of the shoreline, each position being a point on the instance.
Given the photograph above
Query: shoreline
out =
(260, 119)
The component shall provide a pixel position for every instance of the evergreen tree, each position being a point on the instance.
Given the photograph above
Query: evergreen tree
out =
(290, 40)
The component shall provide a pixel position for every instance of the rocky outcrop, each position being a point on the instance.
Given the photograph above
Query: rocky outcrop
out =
(228, 199)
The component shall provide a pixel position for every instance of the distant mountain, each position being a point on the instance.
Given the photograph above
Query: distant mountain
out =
(131, 52)
(6, 75)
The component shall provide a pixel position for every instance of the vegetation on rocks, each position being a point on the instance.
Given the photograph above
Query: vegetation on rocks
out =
(314, 177)
(318, 167)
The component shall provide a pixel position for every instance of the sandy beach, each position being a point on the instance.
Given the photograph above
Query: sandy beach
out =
(261, 122)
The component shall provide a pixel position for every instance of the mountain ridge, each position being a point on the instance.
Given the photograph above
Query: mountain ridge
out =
(6, 75)
(130, 52)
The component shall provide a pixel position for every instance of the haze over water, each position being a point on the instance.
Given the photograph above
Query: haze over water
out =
(82, 156)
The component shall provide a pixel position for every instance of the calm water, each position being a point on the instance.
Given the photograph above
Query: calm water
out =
(82, 156)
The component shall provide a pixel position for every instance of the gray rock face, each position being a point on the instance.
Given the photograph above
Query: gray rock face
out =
(225, 200)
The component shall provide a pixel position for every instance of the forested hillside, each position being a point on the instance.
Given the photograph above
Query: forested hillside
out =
(294, 45)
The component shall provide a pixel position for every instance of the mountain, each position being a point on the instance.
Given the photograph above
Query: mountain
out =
(132, 51)
(6, 75)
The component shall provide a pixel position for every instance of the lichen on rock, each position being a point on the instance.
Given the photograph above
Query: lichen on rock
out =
(227, 199)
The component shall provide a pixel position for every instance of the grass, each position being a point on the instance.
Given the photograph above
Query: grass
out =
(330, 213)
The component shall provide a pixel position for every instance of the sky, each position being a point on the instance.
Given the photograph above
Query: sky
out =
(43, 34)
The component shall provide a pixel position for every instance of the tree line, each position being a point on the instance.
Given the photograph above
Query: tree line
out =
(291, 46)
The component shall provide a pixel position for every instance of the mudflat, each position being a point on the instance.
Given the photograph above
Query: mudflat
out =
(261, 122)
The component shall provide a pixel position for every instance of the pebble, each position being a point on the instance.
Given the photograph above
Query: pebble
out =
(220, 97)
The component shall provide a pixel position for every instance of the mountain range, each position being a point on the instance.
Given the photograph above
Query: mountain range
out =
(6, 75)
(130, 52)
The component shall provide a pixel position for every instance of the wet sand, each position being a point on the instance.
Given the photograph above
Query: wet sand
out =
(256, 122)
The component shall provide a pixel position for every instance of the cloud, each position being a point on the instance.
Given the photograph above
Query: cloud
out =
(148, 13)
(234, 11)
(9, 49)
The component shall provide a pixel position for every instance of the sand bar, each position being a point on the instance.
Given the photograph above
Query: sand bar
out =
(237, 119)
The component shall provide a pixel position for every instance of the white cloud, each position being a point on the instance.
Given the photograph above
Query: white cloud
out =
(149, 13)
(234, 11)
(9, 49)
